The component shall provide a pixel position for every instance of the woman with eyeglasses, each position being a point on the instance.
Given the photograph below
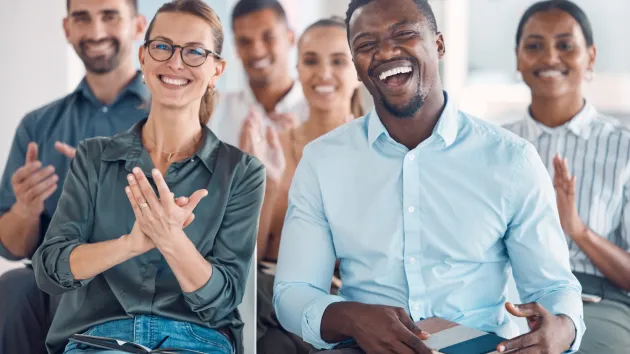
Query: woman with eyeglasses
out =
(124, 246)
(588, 157)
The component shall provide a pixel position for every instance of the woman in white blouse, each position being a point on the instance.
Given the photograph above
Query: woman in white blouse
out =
(588, 156)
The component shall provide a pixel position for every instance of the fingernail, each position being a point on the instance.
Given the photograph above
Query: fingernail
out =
(130, 177)
(425, 333)
(155, 171)
(136, 170)
(127, 189)
(501, 348)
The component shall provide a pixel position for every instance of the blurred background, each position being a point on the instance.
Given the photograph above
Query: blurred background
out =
(479, 69)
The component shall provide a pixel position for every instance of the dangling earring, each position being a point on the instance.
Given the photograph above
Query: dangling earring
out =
(589, 75)
(143, 80)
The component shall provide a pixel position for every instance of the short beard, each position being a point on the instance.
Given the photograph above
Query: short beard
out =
(101, 64)
(407, 110)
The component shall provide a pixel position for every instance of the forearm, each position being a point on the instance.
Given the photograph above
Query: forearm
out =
(609, 259)
(266, 215)
(19, 235)
(91, 259)
(190, 268)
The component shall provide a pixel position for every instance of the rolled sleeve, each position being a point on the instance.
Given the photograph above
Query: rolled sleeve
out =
(234, 248)
(306, 260)
(537, 246)
(17, 159)
(70, 227)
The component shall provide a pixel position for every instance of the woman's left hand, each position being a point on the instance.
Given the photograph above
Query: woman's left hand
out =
(564, 184)
(159, 218)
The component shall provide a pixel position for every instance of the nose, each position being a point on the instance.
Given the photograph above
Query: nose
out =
(97, 30)
(258, 50)
(550, 56)
(325, 72)
(387, 50)
(175, 62)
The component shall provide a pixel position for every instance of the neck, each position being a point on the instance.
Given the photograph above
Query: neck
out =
(270, 94)
(556, 111)
(172, 130)
(321, 122)
(412, 131)
(106, 87)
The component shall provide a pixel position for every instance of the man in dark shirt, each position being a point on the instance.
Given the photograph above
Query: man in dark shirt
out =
(108, 100)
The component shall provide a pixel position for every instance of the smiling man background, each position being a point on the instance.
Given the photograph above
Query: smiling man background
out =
(426, 207)
(106, 102)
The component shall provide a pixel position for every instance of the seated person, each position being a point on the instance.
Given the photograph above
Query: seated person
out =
(556, 55)
(427, 208)
(117, 250)
(331, 89)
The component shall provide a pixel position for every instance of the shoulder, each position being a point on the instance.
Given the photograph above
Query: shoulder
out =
(238, 164)
(46, 113)
(491, 134)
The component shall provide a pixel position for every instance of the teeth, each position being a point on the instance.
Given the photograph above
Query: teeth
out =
(178, 82)
(325, 89)
(550, 73)
(394, 71)
(261, 64)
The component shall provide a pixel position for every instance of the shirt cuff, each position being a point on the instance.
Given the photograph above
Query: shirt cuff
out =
(572, 307)
(312, 320)
(200, 298)
(63, 272)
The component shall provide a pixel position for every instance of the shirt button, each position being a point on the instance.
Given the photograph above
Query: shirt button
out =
(411, 209)
(412, 156)
(105, 109)
(415, 307)
(412, 260)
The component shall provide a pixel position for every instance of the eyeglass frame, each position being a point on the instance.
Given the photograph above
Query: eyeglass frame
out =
(181, 52)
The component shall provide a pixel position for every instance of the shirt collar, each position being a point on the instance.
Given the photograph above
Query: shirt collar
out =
(446, 127)
(135, 87)
(286, 103)
(580, 125)
(127, 146)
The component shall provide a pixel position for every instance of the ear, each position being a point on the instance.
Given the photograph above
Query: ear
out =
(140, 27)
(66, 29)
(219, 67)
(518, 61)
(141, 54)
(592, 53)
(441, 46)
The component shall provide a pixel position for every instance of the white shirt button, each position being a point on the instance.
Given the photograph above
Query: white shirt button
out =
(105, 109)
(411, 157)
(415, 307)
(411, 209)
(412, 260)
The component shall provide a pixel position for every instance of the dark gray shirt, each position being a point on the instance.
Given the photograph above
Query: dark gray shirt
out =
(71, 119)
(94, 207)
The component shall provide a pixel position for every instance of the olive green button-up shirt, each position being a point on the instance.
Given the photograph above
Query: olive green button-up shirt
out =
(93, 207)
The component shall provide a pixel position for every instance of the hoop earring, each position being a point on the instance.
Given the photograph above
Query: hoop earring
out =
(589, 75)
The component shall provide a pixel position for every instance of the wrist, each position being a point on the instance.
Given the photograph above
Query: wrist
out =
(169, 243)
(582, 233)
(569, 329)
(22, 212)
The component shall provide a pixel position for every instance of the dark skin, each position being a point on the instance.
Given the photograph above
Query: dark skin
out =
(555, 40)
(383, 33)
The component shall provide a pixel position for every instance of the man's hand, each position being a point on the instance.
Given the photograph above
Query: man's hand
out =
(263, 143)
(551, 334)
(65, 149)
(32, 185)
(377, 329)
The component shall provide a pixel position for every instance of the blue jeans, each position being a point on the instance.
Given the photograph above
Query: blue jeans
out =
(150, 330)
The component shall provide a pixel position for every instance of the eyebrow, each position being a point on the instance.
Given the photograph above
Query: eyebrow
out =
(561, 35)
(390, 28)
(162, 38)
(85, 12)
(311, 53)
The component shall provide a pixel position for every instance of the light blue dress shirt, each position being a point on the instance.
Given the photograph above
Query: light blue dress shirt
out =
(435, 230)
